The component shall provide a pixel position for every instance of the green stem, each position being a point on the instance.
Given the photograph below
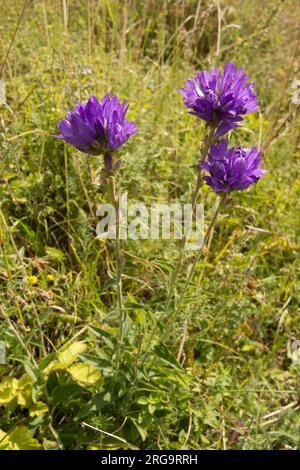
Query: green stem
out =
(115, 203)
(175, 273)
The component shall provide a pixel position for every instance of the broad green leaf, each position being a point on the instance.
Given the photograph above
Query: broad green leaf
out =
(24, 390)
(164, 354)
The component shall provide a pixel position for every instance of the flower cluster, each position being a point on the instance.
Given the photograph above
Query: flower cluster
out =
(234, 168)
(221, 100)
(97, 127)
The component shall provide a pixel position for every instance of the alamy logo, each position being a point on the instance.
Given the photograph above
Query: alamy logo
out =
(137, 221)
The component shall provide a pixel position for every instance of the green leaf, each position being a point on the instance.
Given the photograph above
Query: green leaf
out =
(142, 432)
(66, 357)
(108, 339)
(63, 393)
(164, 354)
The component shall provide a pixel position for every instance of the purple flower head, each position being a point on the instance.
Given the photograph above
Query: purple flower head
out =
(97, 127)
(221, 99)
(232, 169)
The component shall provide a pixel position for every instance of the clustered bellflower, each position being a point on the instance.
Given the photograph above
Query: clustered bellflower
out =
(97, 127)
(232, 169)
(221, 99)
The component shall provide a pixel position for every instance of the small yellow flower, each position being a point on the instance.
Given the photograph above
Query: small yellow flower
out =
(50, 278)
(32, 280)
